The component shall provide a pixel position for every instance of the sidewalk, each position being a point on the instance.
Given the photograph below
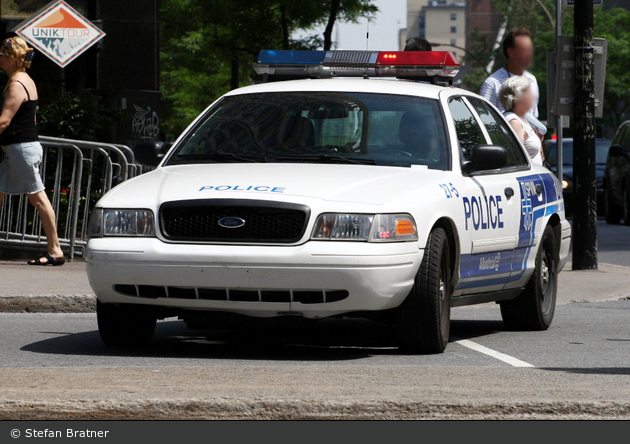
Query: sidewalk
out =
(33, 289)
(65, 289)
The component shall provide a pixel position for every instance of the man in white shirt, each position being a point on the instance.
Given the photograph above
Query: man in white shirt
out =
(519, 52)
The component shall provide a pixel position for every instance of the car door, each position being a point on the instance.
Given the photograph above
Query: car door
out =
(537, 195)
(617, 166)
(491, 203)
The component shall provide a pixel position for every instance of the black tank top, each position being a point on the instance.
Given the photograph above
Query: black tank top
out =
(22, 127)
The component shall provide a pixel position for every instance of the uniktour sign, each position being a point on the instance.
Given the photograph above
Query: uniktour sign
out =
(60, 32)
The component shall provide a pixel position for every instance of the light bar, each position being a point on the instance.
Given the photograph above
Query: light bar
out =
(424, 65)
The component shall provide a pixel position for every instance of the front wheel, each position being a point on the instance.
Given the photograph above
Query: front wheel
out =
(425, 316)
(121, 325)
(534, 308)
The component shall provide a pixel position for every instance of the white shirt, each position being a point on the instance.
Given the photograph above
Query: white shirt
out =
(532, 141)
(492, 85)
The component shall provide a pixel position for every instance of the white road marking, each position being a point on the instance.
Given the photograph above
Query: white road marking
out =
(495, 354)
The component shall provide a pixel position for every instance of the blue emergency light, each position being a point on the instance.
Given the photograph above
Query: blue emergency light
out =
(433, 66)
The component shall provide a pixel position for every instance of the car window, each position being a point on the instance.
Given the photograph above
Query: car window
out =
(469, 132)
(621, 137)
(388, 129)
(624, 137)
(601, 152)
(499, 133)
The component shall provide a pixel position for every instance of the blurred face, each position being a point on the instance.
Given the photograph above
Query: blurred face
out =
(525, 103)
(522, 54)
(5, 61)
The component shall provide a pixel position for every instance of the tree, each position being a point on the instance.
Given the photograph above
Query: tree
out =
(610, 23)
(613, 25)
(208, 46)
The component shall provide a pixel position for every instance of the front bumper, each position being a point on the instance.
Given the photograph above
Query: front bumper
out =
(375, 276)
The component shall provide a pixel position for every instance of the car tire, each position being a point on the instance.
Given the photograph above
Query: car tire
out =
(534, 308)
(425, 316)
(613, 212)
(121, 326)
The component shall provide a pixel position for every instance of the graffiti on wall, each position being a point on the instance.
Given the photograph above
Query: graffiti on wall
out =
(145, 123)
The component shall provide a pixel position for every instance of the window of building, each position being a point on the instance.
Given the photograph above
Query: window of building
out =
(454, 42)
(453, 29)
(454, 16)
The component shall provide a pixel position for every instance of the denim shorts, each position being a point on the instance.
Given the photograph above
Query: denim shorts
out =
(19, 171)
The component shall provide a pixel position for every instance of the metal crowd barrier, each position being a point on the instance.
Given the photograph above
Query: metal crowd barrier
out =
(76, 174)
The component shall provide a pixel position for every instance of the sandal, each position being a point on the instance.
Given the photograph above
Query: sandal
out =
(50, 261)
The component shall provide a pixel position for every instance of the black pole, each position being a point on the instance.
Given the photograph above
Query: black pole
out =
(584, 180)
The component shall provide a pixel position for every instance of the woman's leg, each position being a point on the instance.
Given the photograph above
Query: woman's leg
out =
(47, 215)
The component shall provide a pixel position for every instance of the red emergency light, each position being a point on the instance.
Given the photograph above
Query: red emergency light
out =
(432, 66)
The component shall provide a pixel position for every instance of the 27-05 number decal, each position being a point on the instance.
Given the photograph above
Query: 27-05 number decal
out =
(449, 190)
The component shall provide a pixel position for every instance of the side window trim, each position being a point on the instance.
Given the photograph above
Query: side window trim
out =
(476, 115)
(461, 98)
(508, 169)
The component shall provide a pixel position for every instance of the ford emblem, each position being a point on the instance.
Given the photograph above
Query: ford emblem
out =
(231, 222)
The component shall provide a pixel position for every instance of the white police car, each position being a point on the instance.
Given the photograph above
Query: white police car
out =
(333, 196)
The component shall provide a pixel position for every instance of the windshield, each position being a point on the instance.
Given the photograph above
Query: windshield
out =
(601, 152)
(354, 128)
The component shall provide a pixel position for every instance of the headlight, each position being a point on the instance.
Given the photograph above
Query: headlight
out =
(95, 225)
(394, 228)
(565, 184)
(349, 227)
(365, 227)
(121, 223)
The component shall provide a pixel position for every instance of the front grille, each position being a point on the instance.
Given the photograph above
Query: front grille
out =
(265, 222)
(228, 294)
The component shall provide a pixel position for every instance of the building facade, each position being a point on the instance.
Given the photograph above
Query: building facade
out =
(441, 22)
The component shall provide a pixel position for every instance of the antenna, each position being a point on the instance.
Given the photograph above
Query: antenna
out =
(367, 35)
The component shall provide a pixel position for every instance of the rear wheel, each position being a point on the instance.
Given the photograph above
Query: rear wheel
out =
(425, 316)
(124, 325)
(613, 212)
(534, 308)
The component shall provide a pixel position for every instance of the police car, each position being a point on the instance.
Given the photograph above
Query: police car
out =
(341, 193)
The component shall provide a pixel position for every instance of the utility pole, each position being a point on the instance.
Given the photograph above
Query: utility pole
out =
(584, 184)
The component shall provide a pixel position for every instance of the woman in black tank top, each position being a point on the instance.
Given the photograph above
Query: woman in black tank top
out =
(19, 171)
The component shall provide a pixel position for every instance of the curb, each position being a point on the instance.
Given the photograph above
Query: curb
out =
(238, 409)
(80, 303)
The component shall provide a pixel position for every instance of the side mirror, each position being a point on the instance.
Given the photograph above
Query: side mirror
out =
(615, 151)
(150, 153)
(485, 158)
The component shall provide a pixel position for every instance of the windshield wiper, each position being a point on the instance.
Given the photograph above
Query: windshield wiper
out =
(220, 157)
(325, 158)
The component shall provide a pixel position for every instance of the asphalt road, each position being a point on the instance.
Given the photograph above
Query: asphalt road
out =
(613, 243)
(584, 337)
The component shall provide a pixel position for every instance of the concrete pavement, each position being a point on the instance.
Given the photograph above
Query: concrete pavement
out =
(32, 289)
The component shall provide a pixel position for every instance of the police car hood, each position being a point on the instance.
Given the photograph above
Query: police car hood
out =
(366, 184)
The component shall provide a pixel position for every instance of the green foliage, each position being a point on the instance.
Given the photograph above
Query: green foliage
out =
(610, 23)
(76, 116)
(613, 24)
(209, 45)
